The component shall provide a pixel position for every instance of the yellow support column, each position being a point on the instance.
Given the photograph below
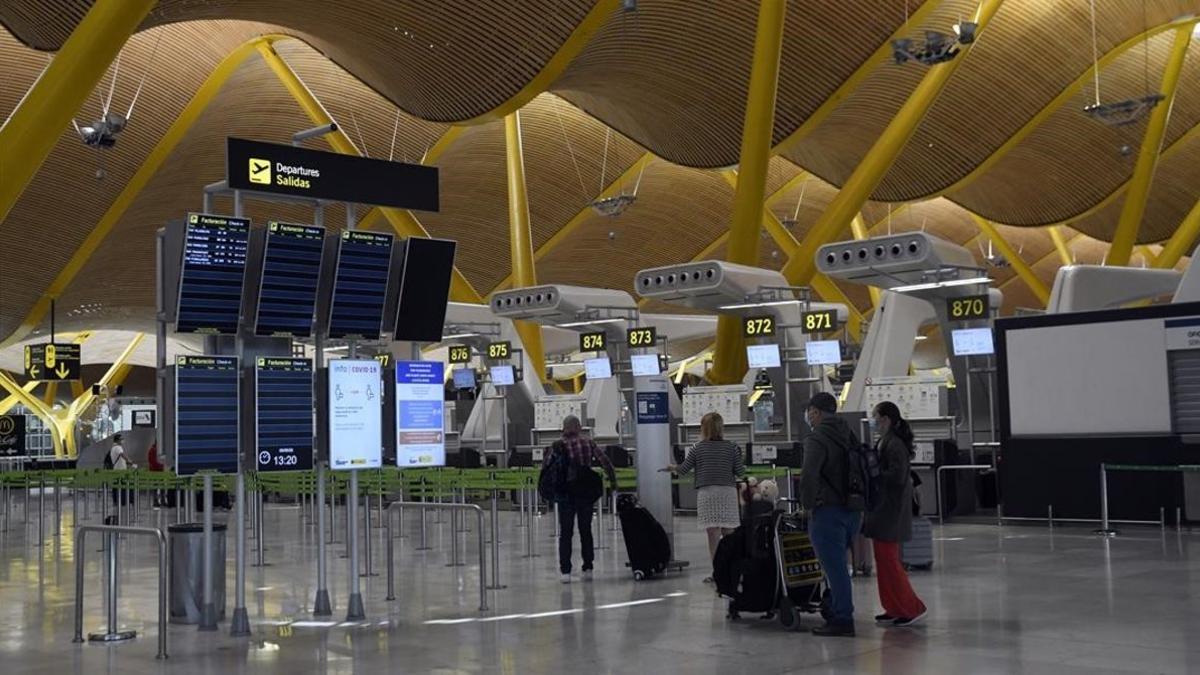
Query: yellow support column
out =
(12, 399)
(34, 128)
(35, 406)
(866, 177)
(520, 237)
(858, 227)
(1180, 243)
(1134, 206)
(1019, 266)
(729, 359)
(1060, 244)
(401, 220)
(50, 395)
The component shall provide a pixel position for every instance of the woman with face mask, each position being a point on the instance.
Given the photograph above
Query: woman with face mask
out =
(891, 522)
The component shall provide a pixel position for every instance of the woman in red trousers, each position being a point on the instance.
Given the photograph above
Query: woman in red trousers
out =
(891, 522)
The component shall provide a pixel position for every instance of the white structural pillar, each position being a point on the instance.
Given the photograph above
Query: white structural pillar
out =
(651, 408)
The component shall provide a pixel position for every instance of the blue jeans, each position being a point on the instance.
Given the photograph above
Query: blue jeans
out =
(571, 510)
(833, 529)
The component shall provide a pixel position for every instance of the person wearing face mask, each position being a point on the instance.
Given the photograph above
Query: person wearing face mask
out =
(825, 494)
(891, 521)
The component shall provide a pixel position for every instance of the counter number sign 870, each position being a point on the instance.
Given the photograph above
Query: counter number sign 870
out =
(965, 309)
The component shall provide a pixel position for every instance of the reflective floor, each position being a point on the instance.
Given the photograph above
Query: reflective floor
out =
(1011, 600)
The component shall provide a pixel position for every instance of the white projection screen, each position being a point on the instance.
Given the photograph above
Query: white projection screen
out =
(1105, 378)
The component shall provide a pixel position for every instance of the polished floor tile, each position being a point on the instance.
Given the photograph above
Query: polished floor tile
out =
(1002, 600)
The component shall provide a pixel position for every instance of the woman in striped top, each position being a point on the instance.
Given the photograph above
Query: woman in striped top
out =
(718, 465)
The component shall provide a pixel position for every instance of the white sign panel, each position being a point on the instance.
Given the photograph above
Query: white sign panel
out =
(972, 341)
(644, 364)
(355, 415)
(1182, 333)
(420, 437)
(762, 356)
(503, 376)
(598, 369)
(823, 352)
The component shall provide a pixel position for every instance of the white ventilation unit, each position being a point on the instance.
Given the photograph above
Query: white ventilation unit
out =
(557, 303)
(895, 260)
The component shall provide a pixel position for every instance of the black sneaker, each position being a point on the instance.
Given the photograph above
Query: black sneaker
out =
(903, 623)
(884, 618)
(834, 630)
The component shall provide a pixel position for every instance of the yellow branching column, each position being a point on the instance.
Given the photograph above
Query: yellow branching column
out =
(521, 236)
(1134, 206)
(729, 358)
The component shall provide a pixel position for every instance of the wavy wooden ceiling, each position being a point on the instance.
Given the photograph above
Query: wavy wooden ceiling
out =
(666, 78)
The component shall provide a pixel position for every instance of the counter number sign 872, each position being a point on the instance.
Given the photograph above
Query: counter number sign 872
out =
(965, 309)
(758, 326)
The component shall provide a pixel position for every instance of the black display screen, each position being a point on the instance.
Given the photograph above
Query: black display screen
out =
(213, 272)
(360, 285)
(424, 289)
(206, 414)
(291, 271)
(283, 414)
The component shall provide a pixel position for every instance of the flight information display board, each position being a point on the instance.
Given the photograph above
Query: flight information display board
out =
(283, 414)
(420, 437)
(206, 414)
(291, 270)
(212, 275)
(355, 415)
(360, 285)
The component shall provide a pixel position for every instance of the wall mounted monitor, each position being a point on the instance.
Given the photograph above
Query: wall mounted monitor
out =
(283, 414)
(972, 341)
(644, 364)
(763, 356)
(291, 272)
(212, 275)
(420, 432)
(355, 414)
(598, 368)
(823, 352)
(424, 289)
(360, 285)
(464, 378)
(503, 376)
(207, 395)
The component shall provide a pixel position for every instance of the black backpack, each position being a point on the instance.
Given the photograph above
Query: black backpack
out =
(864, 488)
(108, 463)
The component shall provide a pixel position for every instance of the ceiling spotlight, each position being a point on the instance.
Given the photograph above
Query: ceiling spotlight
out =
(1121, 113)
(613, 206)
(902, 50)
(965, 30)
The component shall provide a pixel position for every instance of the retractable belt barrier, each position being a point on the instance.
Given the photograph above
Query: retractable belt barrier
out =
(1106, 529)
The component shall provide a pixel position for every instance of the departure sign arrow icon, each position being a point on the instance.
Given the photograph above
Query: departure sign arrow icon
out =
(33, 371)
(62, 371)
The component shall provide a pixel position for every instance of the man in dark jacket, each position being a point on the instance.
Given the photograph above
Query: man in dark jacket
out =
(824, 482)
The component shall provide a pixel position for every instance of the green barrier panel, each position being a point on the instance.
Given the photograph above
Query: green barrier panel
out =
(1182, 468)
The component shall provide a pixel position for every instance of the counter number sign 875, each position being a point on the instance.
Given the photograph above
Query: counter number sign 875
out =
(499, 350)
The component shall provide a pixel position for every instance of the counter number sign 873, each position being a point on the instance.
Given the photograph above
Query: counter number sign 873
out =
(641, 337)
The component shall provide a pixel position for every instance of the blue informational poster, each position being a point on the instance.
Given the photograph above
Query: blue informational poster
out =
(420, 434)
(652, 407)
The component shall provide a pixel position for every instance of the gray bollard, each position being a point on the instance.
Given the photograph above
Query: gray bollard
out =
(111, 577)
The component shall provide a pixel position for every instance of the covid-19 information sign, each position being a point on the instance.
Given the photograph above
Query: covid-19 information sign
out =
(420, 435)
(355, 416)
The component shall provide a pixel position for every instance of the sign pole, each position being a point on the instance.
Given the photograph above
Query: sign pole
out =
(240, 624)
(355, 611)
(208, 611)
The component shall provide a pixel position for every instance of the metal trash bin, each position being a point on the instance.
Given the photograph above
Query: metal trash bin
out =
(186, 541)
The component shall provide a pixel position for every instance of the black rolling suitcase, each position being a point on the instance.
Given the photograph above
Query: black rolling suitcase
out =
(646, 541)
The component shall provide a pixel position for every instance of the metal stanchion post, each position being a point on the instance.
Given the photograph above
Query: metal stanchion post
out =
(113, 634)
(355, 610)
(239, 626)
(1105, 529)
(321, 606)
(367, 534)
(260, 546)
(496, 585)
(42, 511)
(424, 523)
(390, 547)
(208, 610)
(57, 507)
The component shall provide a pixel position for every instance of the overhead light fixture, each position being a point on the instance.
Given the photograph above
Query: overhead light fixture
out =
(457, 336)
(336, 349)
(752, 305)
(942, 284)
(938, 47)
(612, 207)
(921, 338)
(559, 364)
(1122, 113)
(965, 30)
(589, 322)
